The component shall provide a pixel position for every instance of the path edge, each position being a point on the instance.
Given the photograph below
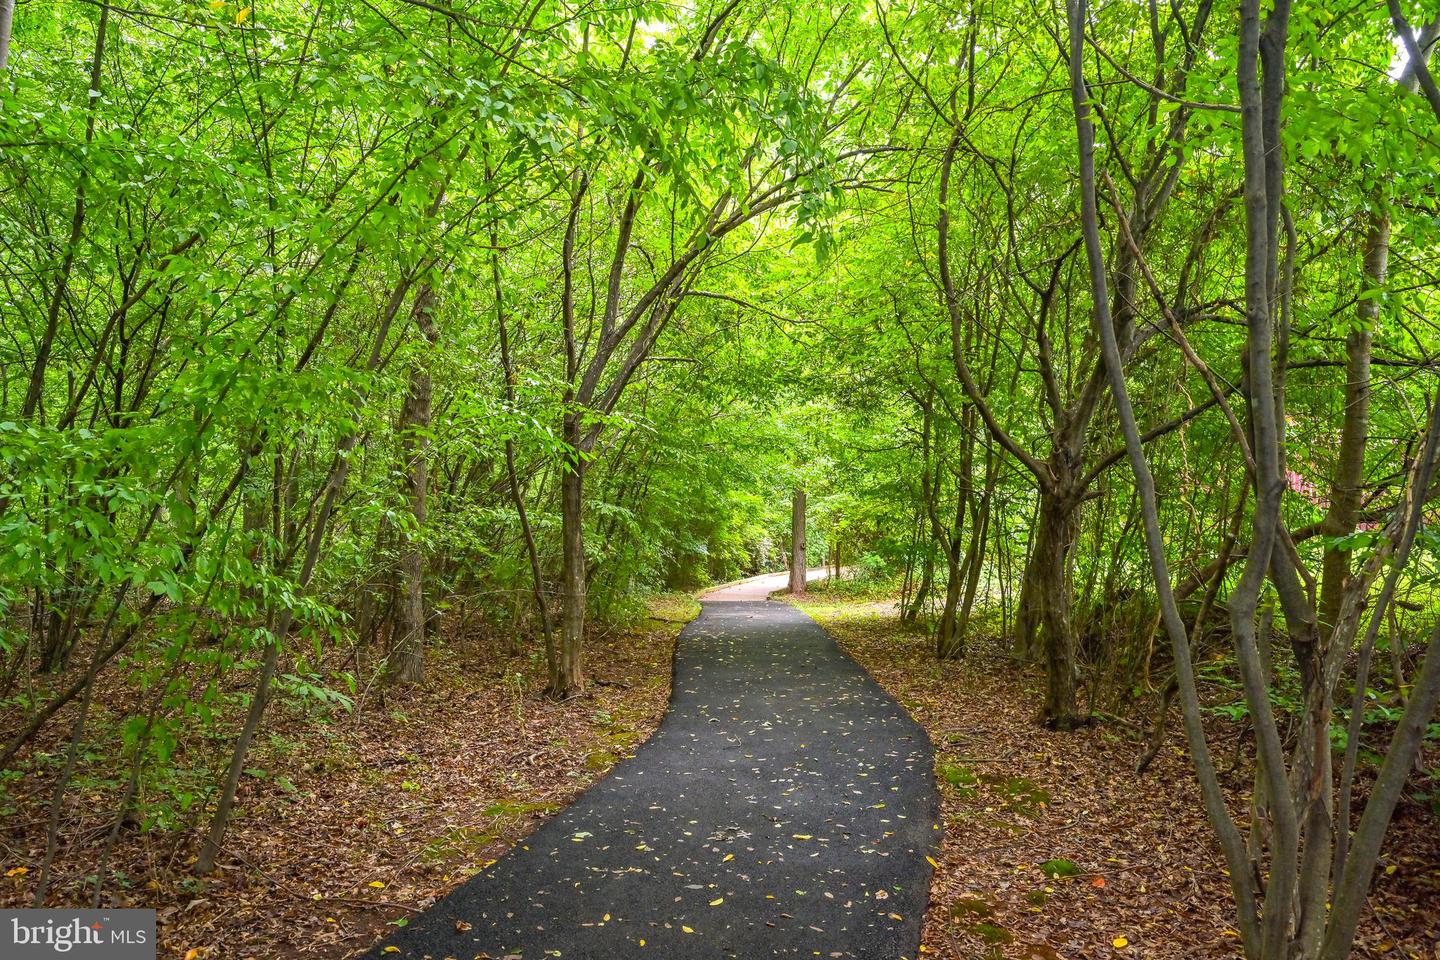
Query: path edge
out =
(937, 831)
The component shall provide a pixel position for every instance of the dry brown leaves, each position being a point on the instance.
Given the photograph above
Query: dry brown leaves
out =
(391, 807)
(1148, 881)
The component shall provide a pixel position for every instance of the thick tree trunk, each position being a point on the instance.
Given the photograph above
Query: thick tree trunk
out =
(1057, 532)
(797, 542)
(1344, 509)
(567, 678)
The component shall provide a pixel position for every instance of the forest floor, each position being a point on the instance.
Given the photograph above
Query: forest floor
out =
(348, 825)
(1055, 848)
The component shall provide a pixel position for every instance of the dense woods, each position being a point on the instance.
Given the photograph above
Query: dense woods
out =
(1103, 332)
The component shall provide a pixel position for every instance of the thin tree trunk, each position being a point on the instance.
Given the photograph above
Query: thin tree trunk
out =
(36, 391)
(1404, 747)
(1211, 793)
(517, 495)
(979, 537)
(335, 483)
(949, 642)
(1421, 475)
(1343, 514)
(406, 661)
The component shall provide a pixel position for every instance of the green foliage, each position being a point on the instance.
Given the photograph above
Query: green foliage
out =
(236, 268)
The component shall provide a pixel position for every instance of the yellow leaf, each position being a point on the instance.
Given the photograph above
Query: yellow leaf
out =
(391, 950)
(717, 901)
(933, 863)
(1120, 943)
(686, 929)
(896, 916)
(216, 4)
(642, 943)
(21, 871)
(192, 953)
(377, 884)
(242, 16)
(728, 858)
(607, 918)
(802, 836)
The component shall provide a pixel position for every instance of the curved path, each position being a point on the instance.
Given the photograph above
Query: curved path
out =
(784, 808)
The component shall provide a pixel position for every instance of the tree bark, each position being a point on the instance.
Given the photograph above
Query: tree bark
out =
(1050, 581)
(979, 535)
(1344, 510)
(567, 679)
(949, 642)
(406, 662)
(797, 541)
(7, 22)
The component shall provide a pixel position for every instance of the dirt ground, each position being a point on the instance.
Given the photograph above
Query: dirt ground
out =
(1055, 847)
(349, 822)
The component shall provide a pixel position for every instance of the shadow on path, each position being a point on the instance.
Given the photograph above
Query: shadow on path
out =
(784, 808)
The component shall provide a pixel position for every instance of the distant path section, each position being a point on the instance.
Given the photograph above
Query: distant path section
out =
(784, 808)
(758, 588)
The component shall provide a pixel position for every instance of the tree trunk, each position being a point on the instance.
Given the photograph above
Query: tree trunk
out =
(406, 660)
(35, 395)
(949, 642)
(1344, 509)
(797, 542)
(7, 20)
(1030, 605)
(921, 597)
(1048, 583)
(567, 678)
(406, 663)
(517, 493)
(979, 533)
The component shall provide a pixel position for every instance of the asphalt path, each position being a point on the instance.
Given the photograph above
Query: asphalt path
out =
(784, 808)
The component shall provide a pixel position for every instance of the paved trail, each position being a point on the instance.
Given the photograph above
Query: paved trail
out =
(784, 808)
